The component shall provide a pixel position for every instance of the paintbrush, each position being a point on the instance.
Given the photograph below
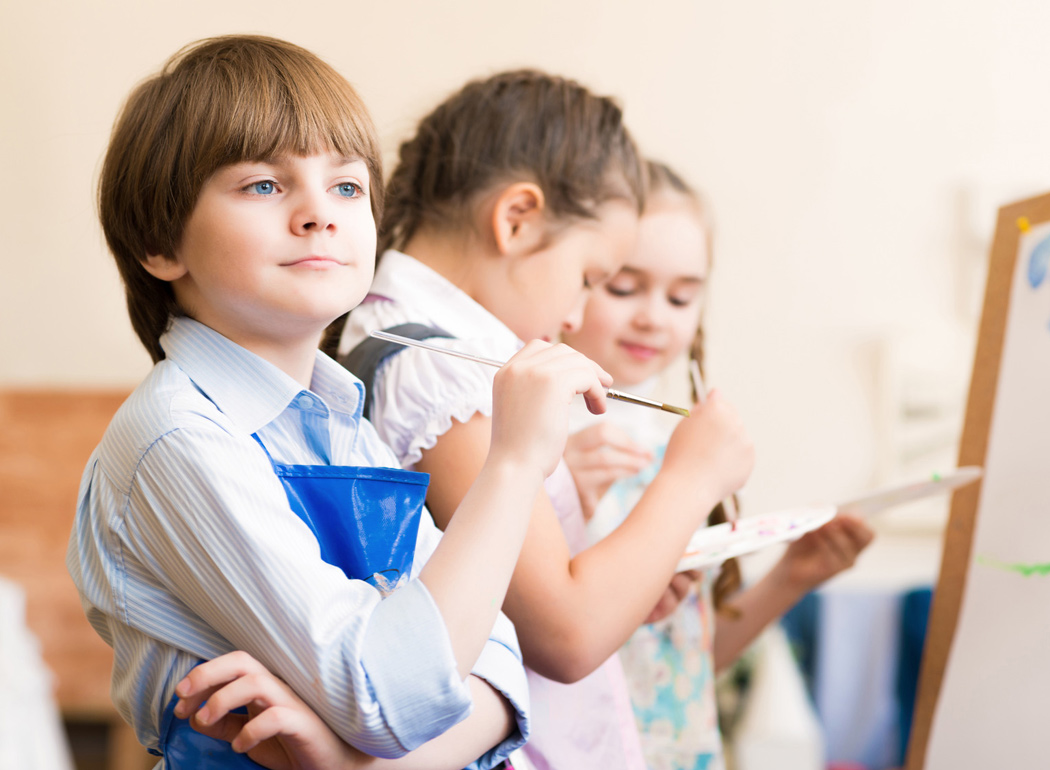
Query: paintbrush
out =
(729, 504)
(618, 395)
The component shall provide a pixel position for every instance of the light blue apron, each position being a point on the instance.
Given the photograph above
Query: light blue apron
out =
(366, 521)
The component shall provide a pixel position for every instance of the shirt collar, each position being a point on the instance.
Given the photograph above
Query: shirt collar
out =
(408, 281)
(221, 369)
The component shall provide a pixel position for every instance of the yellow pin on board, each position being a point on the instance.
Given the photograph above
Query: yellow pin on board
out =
(1023, 224)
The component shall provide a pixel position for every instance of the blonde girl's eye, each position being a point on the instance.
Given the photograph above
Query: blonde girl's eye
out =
(624, 284)
(685, 300)
(621, 290)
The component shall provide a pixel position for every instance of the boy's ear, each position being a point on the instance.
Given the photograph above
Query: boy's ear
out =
(164, 268)
(518, 218)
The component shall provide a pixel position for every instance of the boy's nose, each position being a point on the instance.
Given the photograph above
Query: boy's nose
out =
(312, 215)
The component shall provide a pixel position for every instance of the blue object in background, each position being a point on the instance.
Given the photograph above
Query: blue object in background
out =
(915, 616)
(800, 624)
(860, 655)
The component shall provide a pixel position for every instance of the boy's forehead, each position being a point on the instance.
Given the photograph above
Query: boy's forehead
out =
(287, 156)
(286, 159)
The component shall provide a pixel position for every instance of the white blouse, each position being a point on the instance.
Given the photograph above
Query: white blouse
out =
(416, 396)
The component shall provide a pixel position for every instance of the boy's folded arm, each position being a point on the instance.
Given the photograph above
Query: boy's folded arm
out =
(229, 548)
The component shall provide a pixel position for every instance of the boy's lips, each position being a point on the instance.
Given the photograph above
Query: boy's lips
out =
(314, 261)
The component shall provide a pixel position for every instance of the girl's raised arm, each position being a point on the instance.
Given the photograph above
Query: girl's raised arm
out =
(573, 612)
(469, 573)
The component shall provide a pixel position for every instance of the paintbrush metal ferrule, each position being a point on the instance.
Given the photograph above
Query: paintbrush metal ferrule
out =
(618, 395)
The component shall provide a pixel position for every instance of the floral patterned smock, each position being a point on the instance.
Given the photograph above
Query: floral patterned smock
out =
(669, 664)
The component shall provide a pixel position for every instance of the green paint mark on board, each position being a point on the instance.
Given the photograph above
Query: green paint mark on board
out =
(1042, 570)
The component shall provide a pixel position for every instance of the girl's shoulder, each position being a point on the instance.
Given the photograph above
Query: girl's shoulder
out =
(418, 394)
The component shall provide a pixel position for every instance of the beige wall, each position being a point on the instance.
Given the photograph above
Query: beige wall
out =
(855, 152)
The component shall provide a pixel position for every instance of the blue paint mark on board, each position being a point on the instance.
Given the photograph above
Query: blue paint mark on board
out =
(1039, 263)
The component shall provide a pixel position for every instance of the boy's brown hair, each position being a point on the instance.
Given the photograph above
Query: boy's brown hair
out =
(523, 124)
(217, 101)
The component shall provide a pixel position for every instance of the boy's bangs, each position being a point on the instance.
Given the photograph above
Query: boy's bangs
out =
(274, 115)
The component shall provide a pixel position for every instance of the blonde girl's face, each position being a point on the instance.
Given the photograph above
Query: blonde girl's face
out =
(543, 295)
(646, 315)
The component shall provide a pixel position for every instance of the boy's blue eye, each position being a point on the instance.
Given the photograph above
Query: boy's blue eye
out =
(348, 189)
(262, 188)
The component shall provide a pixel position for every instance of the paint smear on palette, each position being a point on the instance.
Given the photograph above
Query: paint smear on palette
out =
(1041, 570)
(715, 544)
(1039, 263)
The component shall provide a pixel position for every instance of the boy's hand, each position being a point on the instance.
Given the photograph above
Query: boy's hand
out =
(598, 456)
(531, 396)
(279, 732)
(825, 552)
(711, 447)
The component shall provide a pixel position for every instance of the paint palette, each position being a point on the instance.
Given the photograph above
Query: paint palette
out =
(714, 545)
(882, 499)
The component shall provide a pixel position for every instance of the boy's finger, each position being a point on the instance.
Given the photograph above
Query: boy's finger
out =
(204, 680)
(270, 723)
(260, 689)
(217, 671)
(185, 707)
(225, 729)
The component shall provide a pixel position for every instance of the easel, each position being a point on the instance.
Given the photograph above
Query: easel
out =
(1014, 221)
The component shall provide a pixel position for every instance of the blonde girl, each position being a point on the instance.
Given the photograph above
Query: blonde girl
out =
(637, 326)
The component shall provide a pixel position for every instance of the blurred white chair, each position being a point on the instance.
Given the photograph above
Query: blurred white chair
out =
(31, 733)
(779, 729)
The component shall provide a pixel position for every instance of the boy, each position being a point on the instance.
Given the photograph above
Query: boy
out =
(239, 195)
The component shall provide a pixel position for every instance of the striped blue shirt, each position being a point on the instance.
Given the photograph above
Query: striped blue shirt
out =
(184, 547)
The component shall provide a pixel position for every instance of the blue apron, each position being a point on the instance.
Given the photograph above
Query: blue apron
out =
(366, 521)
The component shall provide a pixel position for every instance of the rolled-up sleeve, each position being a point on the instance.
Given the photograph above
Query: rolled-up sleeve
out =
(501, 666)
(391, 655)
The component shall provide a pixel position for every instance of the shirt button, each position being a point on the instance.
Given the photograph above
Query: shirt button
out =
(305, 401)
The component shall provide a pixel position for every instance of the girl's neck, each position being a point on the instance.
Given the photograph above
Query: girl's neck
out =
(457, 258)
